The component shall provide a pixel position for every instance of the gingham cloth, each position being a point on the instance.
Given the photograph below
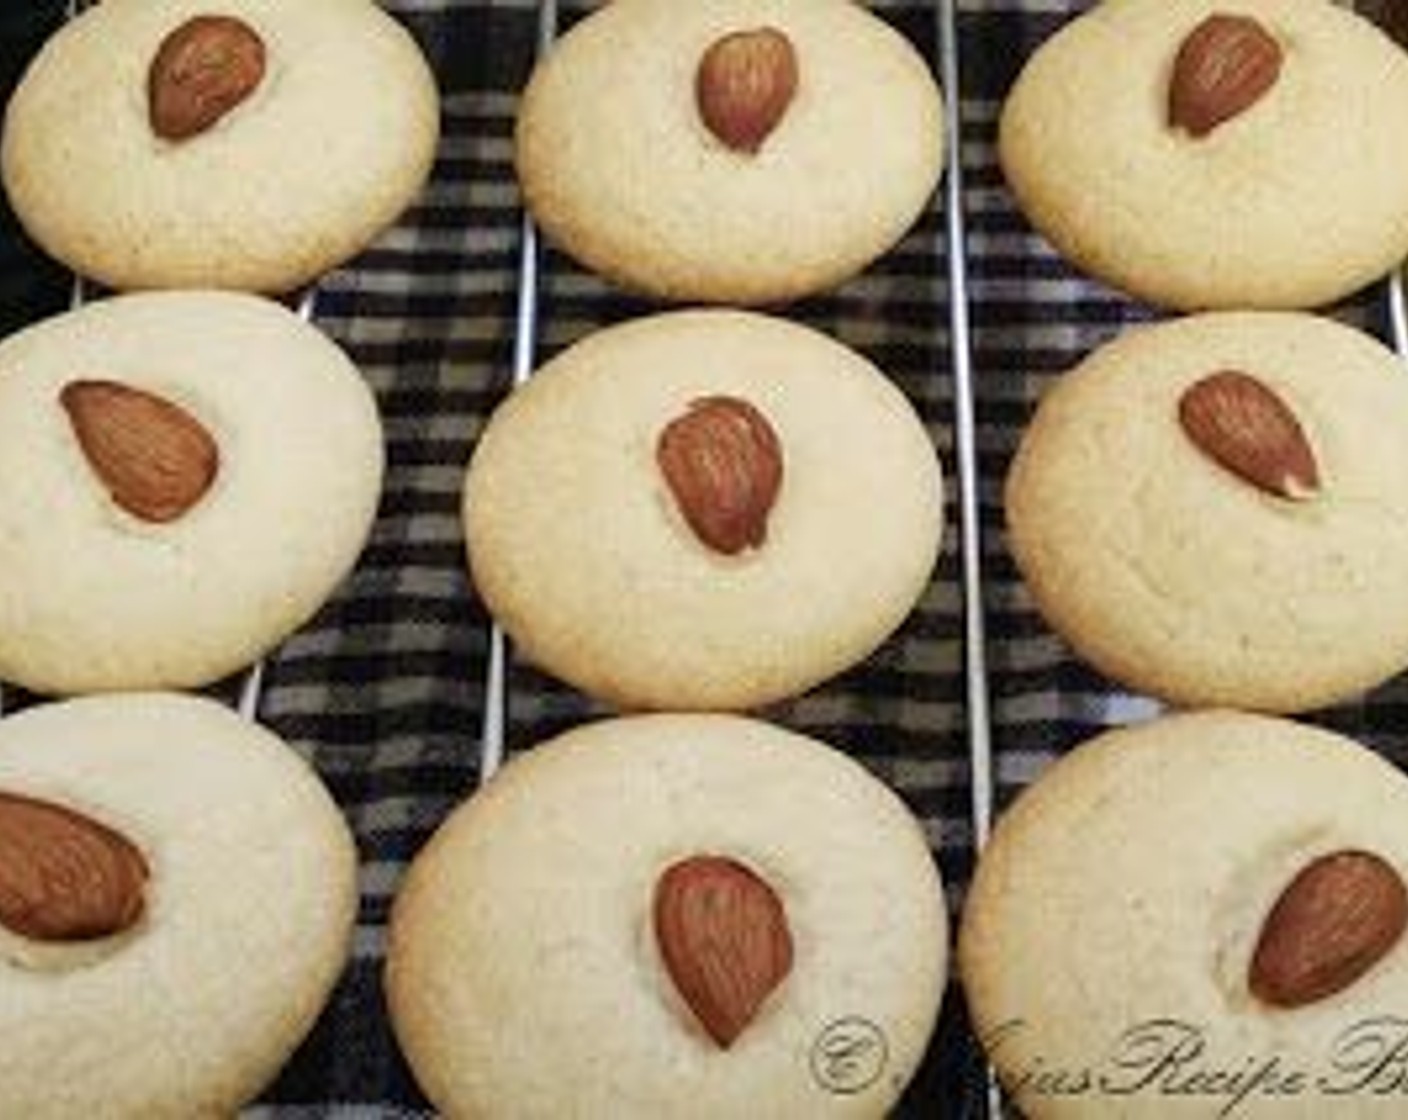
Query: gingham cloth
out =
(384, 691)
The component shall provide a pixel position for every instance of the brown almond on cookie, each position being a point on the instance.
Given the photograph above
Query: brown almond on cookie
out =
(154, 457)
(1241, 424)
(63, 875)
(202, 70)
(744, 84)
(723, 463)
(1339, 916)
(1224, 67)
(723, 935)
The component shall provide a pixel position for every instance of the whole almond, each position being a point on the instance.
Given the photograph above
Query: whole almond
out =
(723, 464)
(1242, 425)
(202, 70)
(1224, 66)
(723, 935)
(64, 876)
(744, 84)
(154, 457)
(1338, 918)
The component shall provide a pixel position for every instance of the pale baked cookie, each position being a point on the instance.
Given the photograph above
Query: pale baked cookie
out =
(685, 916)
(757, 177)
(1220, 539)
(185, 477)
(177, 892)
(1127, 159)
(702, 509)
(254, 150)
(1200, 916)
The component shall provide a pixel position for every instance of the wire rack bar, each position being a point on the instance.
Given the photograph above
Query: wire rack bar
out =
(525, 347)
(1398, 314)
(966, 439)
(975, 662)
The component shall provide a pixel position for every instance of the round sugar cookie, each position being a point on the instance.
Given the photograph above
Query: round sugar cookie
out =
(324, 152)
(137, 553)
(1294, 202)
(208, 951)
(525, 974)
(579, 542)
(1177, 575)
(1109, 935)
(619, 168)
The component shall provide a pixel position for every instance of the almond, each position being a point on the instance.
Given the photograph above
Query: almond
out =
(1243, 426)
(1338, 918)
(723, 935)
(202, 70)
(723, 464)
(64, 876)
(1224, 66)
(744, 84)
(154, 457)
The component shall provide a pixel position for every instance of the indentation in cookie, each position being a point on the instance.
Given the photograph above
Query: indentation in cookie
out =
(1224, 66)
(1241, 424)
(723, 934)
(65, 877)
(154, 457)
(202, 70)
(744, 84)
(722, 461)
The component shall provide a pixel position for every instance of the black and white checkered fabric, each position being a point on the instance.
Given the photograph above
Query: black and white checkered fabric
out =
(385, 690)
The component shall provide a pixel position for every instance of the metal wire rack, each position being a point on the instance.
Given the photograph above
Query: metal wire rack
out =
(251, 680)
(979, 728)
(976, 685)
(979, 734)
(491, 745)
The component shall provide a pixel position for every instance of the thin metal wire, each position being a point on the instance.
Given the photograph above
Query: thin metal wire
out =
(966, 450)
(1398, 314)
(525, 346)
(965, 438)
(251, 689)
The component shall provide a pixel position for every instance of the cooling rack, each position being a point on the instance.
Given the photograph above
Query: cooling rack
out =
(946, 227)
(971, 314)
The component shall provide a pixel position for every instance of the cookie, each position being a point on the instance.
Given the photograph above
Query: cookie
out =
(177, 893)
(1212, 510)
(185, 477)
(153, 143)
(544, 954)
(1250, 161)
(1196, 917)
(755, 177)
(702, 509)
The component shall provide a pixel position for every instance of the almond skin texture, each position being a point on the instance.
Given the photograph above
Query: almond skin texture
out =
(63, 876)
(1242, 425)
(1225, 65)
(723, 464)
(154, 457)
(744, 84)
(723, 935)
(202, 70)
(1338, 918)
